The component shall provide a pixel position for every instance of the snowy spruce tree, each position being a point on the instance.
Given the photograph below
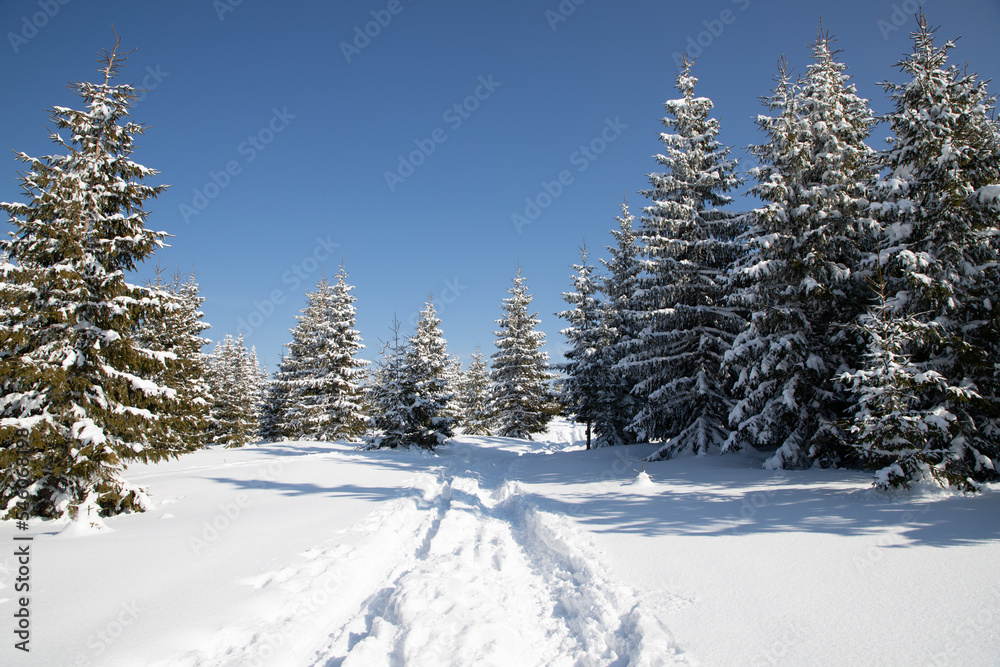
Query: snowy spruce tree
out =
(453, 379)
(933, 335)
(175, 330)
(78, 395)
(689, 244)
(427, 367)
(347, 419)
(390, 396)
(800, 280)
(257, 381)
(319, 381)
(473, 397)
(622, 320)
(409, 391)
(586, 381)
(236, 388)
(901, 425)
(520, 397)
(273, 409)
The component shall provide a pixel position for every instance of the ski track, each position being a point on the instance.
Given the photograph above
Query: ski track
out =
(450, 573)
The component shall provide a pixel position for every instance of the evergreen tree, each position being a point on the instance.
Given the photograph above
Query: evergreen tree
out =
(453, 377)
(622, 321)
(303, 370)
(175, 330)
(275, 405)
(586, 378)
(689, 245)
(410, 393)
(347, 417)
(256, 381)
(800, 280)
(233, 383)
(520, 395)
(426, 368)
(77, 402)
(319, 381)
(351, 407)
(474, 412)
(895, 427)
(938, 207)
(391, 396)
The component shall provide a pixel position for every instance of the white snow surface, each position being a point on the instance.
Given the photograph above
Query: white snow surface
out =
(508, 552)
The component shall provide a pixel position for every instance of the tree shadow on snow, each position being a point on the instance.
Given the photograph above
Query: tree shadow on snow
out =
(713, 496)
(368, 493)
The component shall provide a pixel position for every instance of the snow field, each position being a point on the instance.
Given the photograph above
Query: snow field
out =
(508, 552)
(754, 567)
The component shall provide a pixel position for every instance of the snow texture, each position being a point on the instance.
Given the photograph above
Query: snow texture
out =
(510, 552)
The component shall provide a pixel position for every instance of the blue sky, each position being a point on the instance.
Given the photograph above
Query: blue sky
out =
(276, 125)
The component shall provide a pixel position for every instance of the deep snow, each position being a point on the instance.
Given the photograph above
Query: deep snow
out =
(507, 552)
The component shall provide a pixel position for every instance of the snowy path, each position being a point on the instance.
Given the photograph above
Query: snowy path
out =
(462, 569)
(494, 582)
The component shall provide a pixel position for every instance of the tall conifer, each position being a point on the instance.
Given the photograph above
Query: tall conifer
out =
(939, 208)
(801, 280)
(689, 244)
(77, 398)
(521, 397)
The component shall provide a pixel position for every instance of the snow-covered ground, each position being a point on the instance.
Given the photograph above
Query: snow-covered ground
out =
(505, 552)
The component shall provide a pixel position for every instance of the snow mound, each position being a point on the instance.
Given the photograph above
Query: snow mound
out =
(642, 482)
(86, 520)
(83, 529)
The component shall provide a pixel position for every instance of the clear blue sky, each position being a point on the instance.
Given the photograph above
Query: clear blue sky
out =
(266, 89)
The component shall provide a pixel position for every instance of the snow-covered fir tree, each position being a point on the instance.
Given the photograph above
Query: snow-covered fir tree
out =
(298, 383)
(901, 425)
(78, 398)
(939, 207)
(520, 396)
(622, 321)
(390, 395)
(409, 393)
(427, 366)
(453, 376)
(235, 386)
(473, 397)
(175, 329)
(689, 245)
(275, 404)
(800, 280)
(586, 381)
(257, 382)
(348, 418)
(319, 382)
